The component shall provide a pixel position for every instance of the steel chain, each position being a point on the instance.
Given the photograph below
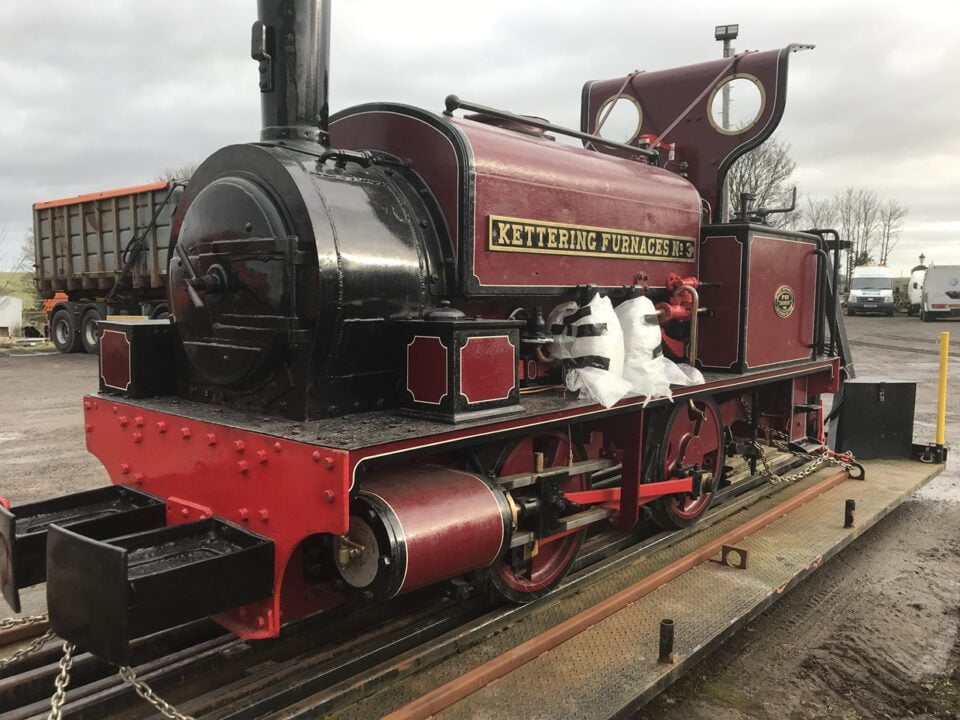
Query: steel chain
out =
(29, 649)
(13, 622)
(61, 683)
(32, 646)
(816, 460)
(146, 692)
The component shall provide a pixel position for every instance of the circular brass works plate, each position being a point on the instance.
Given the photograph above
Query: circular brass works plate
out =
(784, 301)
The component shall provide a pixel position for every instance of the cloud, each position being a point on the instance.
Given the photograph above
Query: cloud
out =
(100, 95)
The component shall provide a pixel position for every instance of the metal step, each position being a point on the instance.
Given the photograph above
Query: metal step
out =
(100, 513)
(101, 594)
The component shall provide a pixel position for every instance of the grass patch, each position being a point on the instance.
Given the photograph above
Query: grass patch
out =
(7, 348)
(20, 285)
(731, 697)
(942, 697)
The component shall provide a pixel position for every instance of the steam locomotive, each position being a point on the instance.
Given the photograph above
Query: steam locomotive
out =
(355, 395)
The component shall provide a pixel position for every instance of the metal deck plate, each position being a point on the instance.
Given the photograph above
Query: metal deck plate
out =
(611, 669)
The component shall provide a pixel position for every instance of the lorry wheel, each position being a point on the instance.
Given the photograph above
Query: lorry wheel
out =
(64, 335)
(889, 313)
(88, 331)
(925, 316)
(851, 312)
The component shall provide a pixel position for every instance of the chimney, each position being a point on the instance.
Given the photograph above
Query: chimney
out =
(291, 41)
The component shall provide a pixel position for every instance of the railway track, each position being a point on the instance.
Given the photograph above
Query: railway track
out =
(16, 633)
(209, 673)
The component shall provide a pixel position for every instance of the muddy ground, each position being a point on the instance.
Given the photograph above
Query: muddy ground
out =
(873, 634)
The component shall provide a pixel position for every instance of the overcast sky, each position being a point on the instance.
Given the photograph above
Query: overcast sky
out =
(97, 94)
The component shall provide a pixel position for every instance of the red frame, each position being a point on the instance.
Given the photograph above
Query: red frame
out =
(280, 488)
(287, 490)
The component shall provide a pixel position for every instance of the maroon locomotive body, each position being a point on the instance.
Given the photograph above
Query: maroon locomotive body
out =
(359, 393)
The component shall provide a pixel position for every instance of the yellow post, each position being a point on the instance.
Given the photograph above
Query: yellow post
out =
(942, 394)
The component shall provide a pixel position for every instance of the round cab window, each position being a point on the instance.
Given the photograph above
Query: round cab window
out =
(736, 104)
(623, 122)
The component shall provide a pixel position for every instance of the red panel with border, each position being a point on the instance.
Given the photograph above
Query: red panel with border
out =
(487, 369)
(777, 333)
(427, 369)
(721, 266)
(115, 359)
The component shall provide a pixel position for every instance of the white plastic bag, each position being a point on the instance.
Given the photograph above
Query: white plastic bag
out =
(589, 341)
(646, 369)
(683, 374)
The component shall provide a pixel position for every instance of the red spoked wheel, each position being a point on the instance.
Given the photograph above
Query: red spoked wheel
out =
(692, 435)
(523, 582)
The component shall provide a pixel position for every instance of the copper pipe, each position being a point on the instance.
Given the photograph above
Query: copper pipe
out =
(468, 683)
(694, 321)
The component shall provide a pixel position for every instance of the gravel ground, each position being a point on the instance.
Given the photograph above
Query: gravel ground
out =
(873, 634)
(42, 446)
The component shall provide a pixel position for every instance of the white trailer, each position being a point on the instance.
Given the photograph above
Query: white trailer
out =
(915, 289)
(941, 293)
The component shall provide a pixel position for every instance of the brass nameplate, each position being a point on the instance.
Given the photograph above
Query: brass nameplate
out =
(506, 234)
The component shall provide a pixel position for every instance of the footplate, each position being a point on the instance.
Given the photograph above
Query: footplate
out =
(104, 512)
(103, 593)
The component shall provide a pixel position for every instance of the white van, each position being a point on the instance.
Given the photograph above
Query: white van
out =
(871, 290)
(941, 293)
(915, 289)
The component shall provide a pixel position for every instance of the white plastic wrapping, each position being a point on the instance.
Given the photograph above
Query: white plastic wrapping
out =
(646, 369)
(589, 341)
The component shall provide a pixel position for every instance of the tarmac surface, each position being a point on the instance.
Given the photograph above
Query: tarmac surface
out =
(874, 634)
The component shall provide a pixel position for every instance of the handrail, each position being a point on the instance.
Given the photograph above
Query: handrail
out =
(453, 102)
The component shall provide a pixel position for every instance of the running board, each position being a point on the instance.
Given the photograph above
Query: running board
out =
(103, 594)
(104, 512)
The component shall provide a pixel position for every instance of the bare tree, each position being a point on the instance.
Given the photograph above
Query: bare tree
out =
(764, 172)
(892, 215)
(18, 281)
(858, 215)
(818, 213)
(8, 280)
(178, 172)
